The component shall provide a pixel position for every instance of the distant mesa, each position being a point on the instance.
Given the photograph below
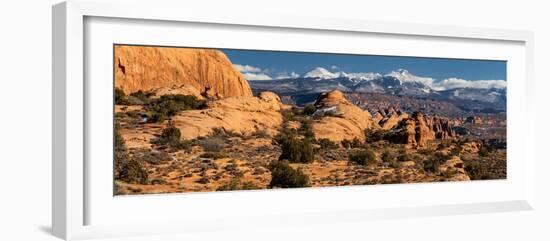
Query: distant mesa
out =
(206, 70)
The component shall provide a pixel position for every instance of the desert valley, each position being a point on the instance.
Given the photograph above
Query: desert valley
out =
(187, 120)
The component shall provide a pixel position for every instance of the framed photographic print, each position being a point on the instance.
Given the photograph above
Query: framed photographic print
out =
(179, 121)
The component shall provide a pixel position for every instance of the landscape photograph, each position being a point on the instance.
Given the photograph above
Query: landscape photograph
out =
(206, 119)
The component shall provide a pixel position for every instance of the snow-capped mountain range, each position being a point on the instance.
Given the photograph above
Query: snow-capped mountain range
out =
(398, 82)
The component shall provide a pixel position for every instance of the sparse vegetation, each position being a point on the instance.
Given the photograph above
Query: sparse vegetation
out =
(483, 152)
(151, 157)
(372, 135)
(212, 144)
(476, 170)
(169, 105)
(309, 110)
(387, 156)
(456, 150)
(120, 153)
(326, 143)
(142, 96)
(284, 176)
(403, 155)
(237, 184)
(171, 138)
(363, 157)
(432, 163)
(214, 155)
(133, 172)
(346, 143)
(260, 133)
(306, 129)
(120, 97)
(354, 143)
(295, 150)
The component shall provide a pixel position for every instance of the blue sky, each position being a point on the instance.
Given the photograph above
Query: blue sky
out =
(277, 63)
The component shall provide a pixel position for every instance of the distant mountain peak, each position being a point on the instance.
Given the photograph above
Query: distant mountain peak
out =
(320, 73)
(404, 75)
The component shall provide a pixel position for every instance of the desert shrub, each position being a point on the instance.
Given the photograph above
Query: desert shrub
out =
(133, 172)
(295, 150)
(237, 184)
(169, 105)
(151, 157)
(483, 152)
(309, 110)
(284, 176)
(432, 163)
(142, 96)
(171, 137)
(284, 134)
(356, 143)
(214, 155)
(363, 157)
(426, 151)
(387, 156)
(212, 144)
(443, 145)
(288, 115)
(156, 118)
(119, 141)
(477, 170)
(394, 164)
(120, 153)
(120, 97)
(346, 143)
(403, 156)
(372, 135)
(203, 180)
(449, 173)
(158, 181)
(455, 151)
(326, 143)
(170, 134)
(260, 133)
(306, 129)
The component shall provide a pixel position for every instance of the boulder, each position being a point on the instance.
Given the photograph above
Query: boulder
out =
(346, 121)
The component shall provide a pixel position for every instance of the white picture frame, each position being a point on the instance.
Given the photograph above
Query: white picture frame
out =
(74, 200)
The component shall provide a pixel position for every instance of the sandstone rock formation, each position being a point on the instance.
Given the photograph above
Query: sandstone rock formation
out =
(240, 114)
(345, 121)
(392, 118)
(182, 90)
(418, 130)
(440, 127)
(453, 169)
(207, 70)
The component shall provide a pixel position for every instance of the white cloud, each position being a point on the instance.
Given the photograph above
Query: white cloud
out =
(334, 67)
(454, 83)
(256, 76)
(247, 68)
(292, 75)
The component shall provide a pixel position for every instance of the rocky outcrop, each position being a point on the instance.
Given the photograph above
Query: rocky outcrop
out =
(240, 114)
(441, 128)
(417, 130)
(339, 118)
(174, 90)
(453, 169)
(207, 70)
(391, 118)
